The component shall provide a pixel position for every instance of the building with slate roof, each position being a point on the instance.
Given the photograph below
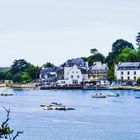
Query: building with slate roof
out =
(127, 71)
(75, 72)
(98, 72)
(48, 75)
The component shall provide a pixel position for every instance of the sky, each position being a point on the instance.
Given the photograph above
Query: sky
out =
(43, 31)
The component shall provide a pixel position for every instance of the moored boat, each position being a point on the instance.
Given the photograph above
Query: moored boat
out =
(113, 95)
(5, 93)
(100, 95)
(56, 106)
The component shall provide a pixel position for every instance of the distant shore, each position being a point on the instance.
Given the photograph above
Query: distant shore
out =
(33, 86)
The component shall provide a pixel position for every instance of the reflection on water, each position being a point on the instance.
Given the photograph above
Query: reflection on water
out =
(99, 119)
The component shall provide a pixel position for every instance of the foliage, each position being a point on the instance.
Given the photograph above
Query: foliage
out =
(96, 57)
(93, 51)
(119, 45)
(19, 66)
(111, 73)
(2, 76)
(48, 65)
(17, 78)
(26, 78)
(127, 55)
(111, 58)
(138, 81)
(5, 131)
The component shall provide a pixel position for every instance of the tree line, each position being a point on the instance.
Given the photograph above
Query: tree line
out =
(22, 71)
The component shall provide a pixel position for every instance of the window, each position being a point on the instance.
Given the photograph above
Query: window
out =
(78, 76)
(122, 78)
(71, 76)
(128, 78)
(134, 72)
(128, 73)
(135, 78)
(121, 72)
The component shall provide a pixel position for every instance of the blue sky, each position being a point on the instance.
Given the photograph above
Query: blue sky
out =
(56, 30)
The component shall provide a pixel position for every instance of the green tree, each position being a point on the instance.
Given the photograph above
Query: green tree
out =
(2, 76)
(19, 66)
(138, 81)
(93, 51)
(18, 78)
(96, 57)
(111, 73)
(110, 59)
(26, 78)
(34, 72)
(48, 65)
(119, 45)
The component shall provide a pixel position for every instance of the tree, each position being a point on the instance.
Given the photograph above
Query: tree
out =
(138, 81)
(110, 59)
(138, 39)
(19, 66)
(119, 45)
(93, 51)
(26, 78)
(2, 76)
(5, 131)
(48, 65)
(18, 78)
(96, 57)
(111, 73)
(127, 55)
(34, 72)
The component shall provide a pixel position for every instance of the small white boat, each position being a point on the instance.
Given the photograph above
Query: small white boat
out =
(100, 95)
(5, 93)
(56, 106)
(113, 95)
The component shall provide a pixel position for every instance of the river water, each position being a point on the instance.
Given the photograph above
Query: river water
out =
(94, 119)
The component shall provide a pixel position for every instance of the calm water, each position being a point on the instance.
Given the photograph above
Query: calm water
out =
(93, 119)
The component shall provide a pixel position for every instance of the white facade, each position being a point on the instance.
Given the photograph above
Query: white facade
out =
(72, 76)
(125, 72)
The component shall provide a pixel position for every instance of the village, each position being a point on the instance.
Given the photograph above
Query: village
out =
(76, 72)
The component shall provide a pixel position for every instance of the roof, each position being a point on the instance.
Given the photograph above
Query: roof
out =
(77, 61)
(48, 70)
(98, 66)
(129, 64)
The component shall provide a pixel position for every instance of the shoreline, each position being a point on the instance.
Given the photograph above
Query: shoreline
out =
(34, 87)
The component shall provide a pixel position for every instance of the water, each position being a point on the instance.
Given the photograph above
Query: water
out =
(93, 119)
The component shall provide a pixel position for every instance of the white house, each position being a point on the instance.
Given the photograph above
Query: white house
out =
(72, 76)
(75, 72)
(128, 71)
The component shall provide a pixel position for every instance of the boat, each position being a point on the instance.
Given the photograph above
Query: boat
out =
(5, 93)
(113, 95)
(56, 106)
(100, 95)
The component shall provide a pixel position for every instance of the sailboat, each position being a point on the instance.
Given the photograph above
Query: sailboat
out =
(98, 95)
